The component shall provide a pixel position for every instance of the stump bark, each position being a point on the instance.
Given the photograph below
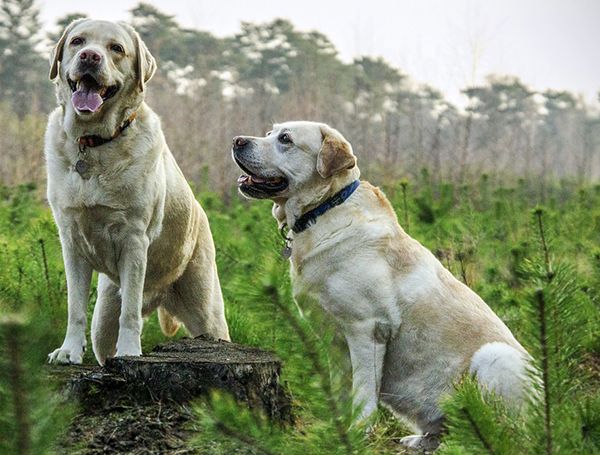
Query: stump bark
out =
(179, 371)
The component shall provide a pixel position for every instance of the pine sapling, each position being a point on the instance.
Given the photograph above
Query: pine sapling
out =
(16, 383)
(554, 420)
(33, 415)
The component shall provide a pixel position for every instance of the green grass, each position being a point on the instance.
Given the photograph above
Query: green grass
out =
(484, 233)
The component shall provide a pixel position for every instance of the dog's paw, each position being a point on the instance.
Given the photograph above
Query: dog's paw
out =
(425, 443)
(129, 343)
(67, 354)
(129, 349)
(128, 353)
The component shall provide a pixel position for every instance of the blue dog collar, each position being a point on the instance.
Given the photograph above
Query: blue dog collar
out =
(310, 217)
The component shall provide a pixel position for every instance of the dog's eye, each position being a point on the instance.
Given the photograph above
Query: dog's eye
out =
(77, 41)
(269, 133)
(117, 48)
(285, 138)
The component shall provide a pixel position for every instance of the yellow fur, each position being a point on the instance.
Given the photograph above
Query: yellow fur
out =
(168, 324)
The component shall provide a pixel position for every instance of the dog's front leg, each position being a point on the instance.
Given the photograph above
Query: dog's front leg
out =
(132, 271)
(79, 276)
(367, 344)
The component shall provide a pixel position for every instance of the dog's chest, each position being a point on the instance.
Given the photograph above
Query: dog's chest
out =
(78, 193)
(343, 265)
(102, 183)
(98, 233)
(349, 285)
(306, 271)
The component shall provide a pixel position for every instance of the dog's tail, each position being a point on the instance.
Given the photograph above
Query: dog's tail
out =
(168, 324)
(503, 369)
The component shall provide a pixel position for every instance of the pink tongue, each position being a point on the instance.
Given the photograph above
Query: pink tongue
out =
(86, 99)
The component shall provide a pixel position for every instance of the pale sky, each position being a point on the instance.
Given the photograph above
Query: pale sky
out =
(445, 43)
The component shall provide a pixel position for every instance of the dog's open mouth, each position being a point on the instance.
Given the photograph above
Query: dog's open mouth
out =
(257, 186)
(88, 95)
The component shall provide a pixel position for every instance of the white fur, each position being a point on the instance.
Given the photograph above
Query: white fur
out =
(502, 369)
(412, 328)
(134, 220)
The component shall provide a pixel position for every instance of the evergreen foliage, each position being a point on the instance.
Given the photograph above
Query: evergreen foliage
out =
(20, 62)
(559, 322)
(541, 275)
(208, 89)
(483, 232)
(33, 416)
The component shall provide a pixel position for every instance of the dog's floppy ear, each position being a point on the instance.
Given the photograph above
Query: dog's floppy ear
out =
(145, 63)
(335, 154)
(57, 52)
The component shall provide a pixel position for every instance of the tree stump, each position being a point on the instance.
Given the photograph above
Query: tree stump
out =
(179, 371)
(141, 404)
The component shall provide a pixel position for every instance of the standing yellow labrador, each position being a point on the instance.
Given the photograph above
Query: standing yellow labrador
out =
(121, 203)
(412, 328)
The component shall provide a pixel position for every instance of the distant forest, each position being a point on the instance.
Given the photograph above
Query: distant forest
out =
(208, 89)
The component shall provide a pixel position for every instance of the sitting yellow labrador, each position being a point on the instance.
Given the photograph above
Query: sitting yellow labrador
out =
(121, 203)
(412, 328)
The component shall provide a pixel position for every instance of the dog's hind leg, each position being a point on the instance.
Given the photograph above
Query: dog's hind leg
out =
(195, 298)
(105, 321)
(498, 367)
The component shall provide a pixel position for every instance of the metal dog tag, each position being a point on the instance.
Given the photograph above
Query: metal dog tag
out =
(81, 167)
(286, 252)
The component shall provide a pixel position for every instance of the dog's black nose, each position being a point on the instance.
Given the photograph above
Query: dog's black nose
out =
(239, 142)
(90, 57)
